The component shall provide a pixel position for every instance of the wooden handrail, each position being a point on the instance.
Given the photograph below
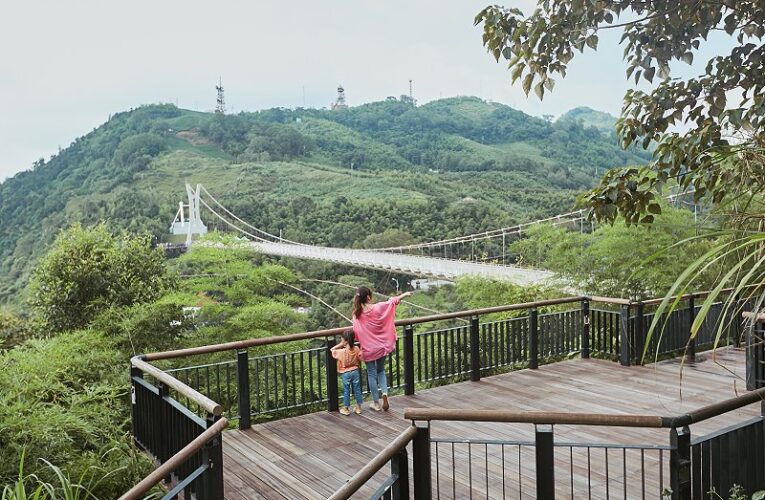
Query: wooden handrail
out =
(373, 466)
(244, 344)
(597, 419)
(533, 417)
(610, 300)
(203, 401)
(164, 470)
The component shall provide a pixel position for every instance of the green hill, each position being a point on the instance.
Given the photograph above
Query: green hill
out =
(588, 117)
(330, 177)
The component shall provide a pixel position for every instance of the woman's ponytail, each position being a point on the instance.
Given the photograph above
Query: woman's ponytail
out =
(362, 297)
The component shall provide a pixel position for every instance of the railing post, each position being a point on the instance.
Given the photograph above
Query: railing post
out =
(421, 462)
(690, 354)
(545, 462)
(333, 402)
(475, 350)
(639, 334)
(163, 453)
(408, 360)
(680, 463)
(585, 328)
(625, 344)
(399, 467)
(135, 372)
(533, 338)
(243, 383)
(213, 454)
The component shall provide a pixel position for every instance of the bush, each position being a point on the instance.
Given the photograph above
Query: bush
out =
(65, 400)
(88, 270)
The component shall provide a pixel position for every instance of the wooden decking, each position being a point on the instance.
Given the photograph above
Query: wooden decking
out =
(312, 455)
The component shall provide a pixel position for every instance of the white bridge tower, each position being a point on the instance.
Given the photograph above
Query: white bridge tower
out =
(193, 225)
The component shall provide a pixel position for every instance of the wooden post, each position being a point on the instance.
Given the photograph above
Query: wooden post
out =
(533, 338)
(243, 382)
(333, 402)
(691, 351)
(409, 360)
(421, 462)
(625, 343)
(399, 467)
(475, 350)
(545, 462)
(680, 463)
(585, 328)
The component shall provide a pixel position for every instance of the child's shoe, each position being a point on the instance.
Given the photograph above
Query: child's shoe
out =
(345, 411)
(385, 404)
(375, 406)
(358, 410)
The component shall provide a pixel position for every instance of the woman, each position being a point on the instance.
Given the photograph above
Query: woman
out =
(374, 328)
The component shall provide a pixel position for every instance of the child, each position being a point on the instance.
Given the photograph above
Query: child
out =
(348, 358)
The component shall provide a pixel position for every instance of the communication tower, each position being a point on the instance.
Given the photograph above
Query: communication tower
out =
(220, 103)
(340, 102)
(411, 95)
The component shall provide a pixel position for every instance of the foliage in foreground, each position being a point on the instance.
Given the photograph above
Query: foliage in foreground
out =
(657, 35)
(64, 399)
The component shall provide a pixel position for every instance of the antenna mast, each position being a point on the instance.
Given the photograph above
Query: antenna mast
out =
(340, 102)
(220, 103)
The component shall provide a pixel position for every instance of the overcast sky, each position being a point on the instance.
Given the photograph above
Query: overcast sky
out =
(65, 66)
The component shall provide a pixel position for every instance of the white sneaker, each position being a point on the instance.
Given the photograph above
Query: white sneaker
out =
(375, 406)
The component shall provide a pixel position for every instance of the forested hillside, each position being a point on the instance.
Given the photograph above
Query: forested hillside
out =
(329, 177)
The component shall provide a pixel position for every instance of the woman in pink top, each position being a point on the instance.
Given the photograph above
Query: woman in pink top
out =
(374, 327)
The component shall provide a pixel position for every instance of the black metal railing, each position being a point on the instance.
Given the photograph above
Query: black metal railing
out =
(165, 429)
(491, 468)
(302, 380)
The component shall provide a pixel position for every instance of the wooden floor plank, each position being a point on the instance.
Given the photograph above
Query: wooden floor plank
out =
(310, 456)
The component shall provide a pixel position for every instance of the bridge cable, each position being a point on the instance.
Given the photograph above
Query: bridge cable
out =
(381, 295)
(246, 223)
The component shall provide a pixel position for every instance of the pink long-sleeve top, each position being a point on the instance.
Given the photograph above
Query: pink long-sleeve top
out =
(375, 330)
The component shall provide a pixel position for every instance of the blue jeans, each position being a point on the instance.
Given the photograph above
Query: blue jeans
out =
(378, 383)
(352, 379)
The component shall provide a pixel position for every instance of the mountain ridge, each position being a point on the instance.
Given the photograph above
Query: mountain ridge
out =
(327, 177)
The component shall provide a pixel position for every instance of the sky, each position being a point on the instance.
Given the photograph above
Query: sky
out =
(65, 66)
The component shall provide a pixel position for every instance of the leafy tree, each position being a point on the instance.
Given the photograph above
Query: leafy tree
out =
(391, 237)
(725, 100)
(613, 260)
(89, 269)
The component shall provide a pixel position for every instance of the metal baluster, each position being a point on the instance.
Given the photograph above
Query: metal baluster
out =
(589, 475)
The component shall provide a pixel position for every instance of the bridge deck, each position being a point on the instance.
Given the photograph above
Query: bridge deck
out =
(312, 455)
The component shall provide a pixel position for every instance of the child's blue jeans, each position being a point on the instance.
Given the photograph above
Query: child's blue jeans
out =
(351, 379)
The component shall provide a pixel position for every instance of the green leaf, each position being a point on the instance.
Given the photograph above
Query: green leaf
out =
(527, 81)
(649, 74)
(539, 90)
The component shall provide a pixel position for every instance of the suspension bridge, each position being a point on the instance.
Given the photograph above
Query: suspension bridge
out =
(434, 259)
